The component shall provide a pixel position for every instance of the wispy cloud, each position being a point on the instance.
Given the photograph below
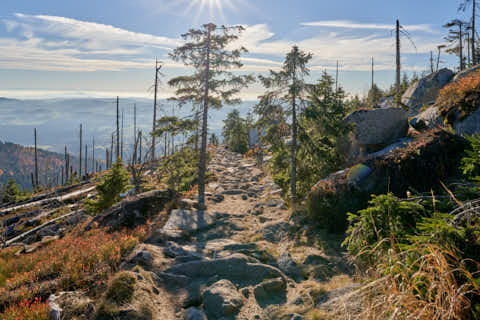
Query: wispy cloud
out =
(346, 24)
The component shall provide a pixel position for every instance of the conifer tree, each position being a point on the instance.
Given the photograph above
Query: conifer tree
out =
(212, 83)
(288, 88)
(235, 133)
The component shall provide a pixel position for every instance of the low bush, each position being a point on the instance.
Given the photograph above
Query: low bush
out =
(27, 310)
(109, 189)
(460, 98)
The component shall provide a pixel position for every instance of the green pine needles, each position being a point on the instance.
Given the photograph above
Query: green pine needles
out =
(109, 189)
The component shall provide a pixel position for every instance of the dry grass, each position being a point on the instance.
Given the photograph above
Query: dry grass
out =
(426, 288)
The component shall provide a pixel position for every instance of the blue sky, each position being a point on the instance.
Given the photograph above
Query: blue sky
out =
(107, 48)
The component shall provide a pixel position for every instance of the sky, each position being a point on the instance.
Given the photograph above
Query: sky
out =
(58, 48)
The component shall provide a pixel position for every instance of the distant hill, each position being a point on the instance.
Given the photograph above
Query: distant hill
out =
(18, 162)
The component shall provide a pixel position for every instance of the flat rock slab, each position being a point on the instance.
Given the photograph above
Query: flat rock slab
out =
(233, 192)
(185, 222)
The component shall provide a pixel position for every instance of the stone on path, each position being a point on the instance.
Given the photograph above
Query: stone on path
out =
(186, 222)
(222, 299)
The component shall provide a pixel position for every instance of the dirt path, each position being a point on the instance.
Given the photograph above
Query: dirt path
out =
(243, 258)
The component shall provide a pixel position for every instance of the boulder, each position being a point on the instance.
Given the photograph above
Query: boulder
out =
(427, 119)
(134, 211)
(69, 305)
(222, 299)
(377, 128)
(186, 222)
(272, 291)
(235, 268)
(288, 265)
(470, 125)
(425, 91)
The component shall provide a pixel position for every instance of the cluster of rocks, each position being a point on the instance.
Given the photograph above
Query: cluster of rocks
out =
(228, 261)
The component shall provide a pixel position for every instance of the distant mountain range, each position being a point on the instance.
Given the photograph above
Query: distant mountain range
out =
(18, 162)
(58, 120)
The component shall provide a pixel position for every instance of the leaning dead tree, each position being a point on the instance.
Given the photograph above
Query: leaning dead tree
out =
(158, 66)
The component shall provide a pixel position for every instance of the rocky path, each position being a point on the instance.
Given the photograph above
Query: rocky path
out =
(242, 258)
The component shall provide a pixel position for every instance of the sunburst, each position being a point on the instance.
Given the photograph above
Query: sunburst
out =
(214, 8)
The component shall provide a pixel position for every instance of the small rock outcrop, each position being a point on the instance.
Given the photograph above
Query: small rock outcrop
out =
(70, 305)
(468, 126)
(135, 210)
(222, 299)
(425, 91)
(377, 128)
(428, 119)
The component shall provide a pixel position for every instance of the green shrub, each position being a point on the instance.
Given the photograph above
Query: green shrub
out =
(11, 192)
(470, 163)
(387, 218)
(109, 189)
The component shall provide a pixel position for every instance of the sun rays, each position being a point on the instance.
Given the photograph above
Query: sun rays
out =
(213, 9)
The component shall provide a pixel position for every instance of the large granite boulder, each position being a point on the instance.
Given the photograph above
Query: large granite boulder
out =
(425, 91)
(377, 128)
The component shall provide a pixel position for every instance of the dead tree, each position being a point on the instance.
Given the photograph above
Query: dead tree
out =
(36, 160)
(158, 66)
(117, 154)
(81, 145)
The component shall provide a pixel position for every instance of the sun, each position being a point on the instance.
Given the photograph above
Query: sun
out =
(213, 8)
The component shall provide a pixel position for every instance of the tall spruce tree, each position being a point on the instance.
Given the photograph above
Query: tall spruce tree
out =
(287, 87)
(234, 132)
(207, 51)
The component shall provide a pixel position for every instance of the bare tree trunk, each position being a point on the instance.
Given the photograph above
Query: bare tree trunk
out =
(117, 154)
(431, 62)
(111, 151)
(157, 69)
(462, 65)
(293, 179)
(67, 165)
(81, 145)
(86, 159)
(203, 151)
(36, 159)
(94, 169)
(373, 72)
(135, 130)
(398, 62)
(107, 158)
(140, 154)
(474, 55)
(121, 143)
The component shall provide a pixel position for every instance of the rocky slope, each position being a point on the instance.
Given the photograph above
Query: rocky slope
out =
(242, 258)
